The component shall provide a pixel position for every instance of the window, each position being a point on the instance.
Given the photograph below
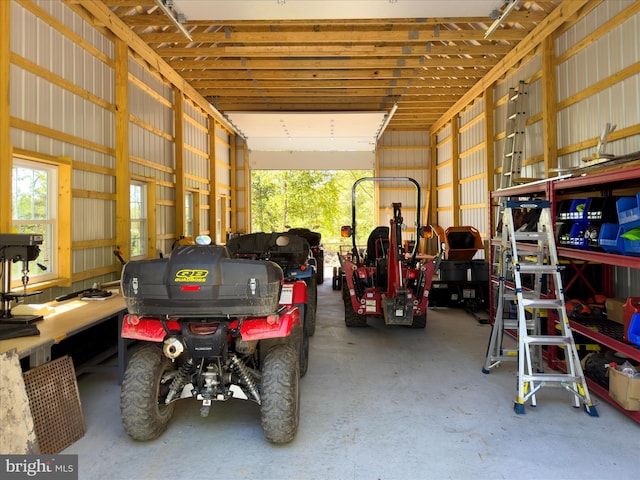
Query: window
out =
(188, 214)
(34, 210)
(138, 212)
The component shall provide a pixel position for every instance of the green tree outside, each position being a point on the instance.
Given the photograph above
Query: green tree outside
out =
(316, 199)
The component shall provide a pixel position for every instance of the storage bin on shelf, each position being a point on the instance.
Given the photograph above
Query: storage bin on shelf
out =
(578, 235)
(564, 234)
(562, 211)
(631, 310)
(628, 212)
(577, 210)
(633, 334)
(599, 210)
(610, 239)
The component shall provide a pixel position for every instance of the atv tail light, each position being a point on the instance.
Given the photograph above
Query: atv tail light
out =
(272, 319)
(362, 274)
(345, 231)
(203, 328)
(412, 274)
(132, 319)
(303, 267)
(190, 288)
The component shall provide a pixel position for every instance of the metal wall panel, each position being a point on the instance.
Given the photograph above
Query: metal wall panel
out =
(601, 59)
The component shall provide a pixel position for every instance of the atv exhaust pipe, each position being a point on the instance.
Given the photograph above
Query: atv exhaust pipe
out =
(172, 348)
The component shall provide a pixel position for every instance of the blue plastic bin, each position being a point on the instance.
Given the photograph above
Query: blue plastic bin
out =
(634, 329)
(629, 247)
(610, 239)
(578, 209)
(578, 237)
(628, 211)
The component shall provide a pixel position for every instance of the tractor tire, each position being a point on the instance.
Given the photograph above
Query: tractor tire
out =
(419, 321)
(312, 305)
(280, 408)
(304, 351)
(351, 318)
(143, 416)
(320, 269)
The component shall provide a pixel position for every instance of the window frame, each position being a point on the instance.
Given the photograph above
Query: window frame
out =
(50, 251)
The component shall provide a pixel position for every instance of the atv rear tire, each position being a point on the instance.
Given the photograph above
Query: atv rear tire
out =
(143, 415)
(280, 391)
(351, 318)
(312, 305)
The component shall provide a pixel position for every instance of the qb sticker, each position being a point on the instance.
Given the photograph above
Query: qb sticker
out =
(191, 276)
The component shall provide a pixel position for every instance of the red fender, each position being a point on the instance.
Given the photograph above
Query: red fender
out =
(147, 329)
(273, 326)
(293, 293)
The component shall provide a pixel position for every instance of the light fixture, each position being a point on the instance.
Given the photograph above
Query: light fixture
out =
(510, 5)
(387, 119)
(167, 7)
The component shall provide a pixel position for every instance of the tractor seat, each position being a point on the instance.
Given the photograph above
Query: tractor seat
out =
(377, 244)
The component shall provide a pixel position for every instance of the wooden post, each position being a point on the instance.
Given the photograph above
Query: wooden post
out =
(123, 214)
(6, 160)
(549, 106)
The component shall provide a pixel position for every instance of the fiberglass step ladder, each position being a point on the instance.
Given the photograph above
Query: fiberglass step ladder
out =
(514, 136)
(539, 259)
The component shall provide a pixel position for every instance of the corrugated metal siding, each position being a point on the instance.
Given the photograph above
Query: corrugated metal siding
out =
(618, 104)
(45, 104)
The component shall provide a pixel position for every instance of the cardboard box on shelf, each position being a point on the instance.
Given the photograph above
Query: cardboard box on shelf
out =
(624, 390)
(615, 309)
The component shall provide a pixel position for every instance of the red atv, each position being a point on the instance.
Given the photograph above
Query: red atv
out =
(387, 280)
(214, 328)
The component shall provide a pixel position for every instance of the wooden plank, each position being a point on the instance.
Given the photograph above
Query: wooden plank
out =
(123, 219)
(549, 107)
(6, 157)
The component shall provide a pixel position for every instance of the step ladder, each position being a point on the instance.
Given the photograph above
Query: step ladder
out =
(533, 255)
(514, 135)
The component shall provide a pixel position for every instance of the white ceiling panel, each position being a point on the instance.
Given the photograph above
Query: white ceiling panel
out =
(302, 131)
(332, 9)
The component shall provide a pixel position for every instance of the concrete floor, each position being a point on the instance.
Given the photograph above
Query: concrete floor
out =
(379, 403)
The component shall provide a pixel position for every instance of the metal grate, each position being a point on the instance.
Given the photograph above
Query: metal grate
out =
(55, 405)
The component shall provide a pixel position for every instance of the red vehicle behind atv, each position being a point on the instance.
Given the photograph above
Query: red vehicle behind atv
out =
(386, 281)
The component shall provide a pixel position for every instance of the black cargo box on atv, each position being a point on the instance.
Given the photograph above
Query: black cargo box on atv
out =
(201, 281)
(286, 249)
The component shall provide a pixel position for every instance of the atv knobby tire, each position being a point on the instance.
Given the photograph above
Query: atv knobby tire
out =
(320, 269)
(143, 416)
(280, 408)
(312, 305)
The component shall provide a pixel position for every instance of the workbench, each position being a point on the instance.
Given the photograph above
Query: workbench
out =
(68, 318)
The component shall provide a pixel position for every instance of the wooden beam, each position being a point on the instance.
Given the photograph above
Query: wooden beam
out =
(352, 38)
(562, 13)
(213, 191)
(549, 107)
(178, 121)
(455, 169)
(123, 201)
(251, 64)
(6, 155)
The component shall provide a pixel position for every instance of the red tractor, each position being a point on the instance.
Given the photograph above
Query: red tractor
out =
(387, 280)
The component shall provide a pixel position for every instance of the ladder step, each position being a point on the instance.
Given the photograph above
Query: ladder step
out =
(536, 268)
(532, 236)
(548, 303)
(553, 377)
(547, 340)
